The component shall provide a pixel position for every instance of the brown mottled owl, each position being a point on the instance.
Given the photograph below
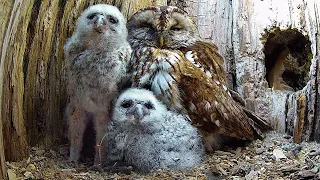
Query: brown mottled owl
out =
(96, 58)
(187, 74)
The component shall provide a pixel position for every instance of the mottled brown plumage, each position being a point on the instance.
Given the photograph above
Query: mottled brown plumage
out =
(187, 74)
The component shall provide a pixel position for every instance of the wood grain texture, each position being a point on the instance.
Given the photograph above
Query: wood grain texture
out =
(4, 16)
(300, 118)
(13, 48)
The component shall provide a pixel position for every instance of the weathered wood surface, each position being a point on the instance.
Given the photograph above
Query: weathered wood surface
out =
(238, 28)
(251, 19)
(2, 158)
(32, 76)
(12, 54)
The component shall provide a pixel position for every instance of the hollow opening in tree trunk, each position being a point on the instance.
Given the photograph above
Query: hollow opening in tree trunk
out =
(287, 59)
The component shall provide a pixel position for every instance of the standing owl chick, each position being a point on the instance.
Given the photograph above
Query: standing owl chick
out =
(96, 57)
(187, 74)
(145, 134)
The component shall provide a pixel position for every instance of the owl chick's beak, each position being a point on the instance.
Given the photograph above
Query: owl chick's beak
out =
(139, 111)
(100, 23)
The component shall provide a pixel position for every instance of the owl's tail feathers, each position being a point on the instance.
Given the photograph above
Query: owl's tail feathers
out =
(235, 96)
(259, 124)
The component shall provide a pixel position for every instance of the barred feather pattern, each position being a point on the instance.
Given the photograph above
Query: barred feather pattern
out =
(186, 88)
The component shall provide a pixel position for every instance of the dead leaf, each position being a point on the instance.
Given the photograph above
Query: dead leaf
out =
(278, 154)
(27, 174)
(11, 174)
(221, 170)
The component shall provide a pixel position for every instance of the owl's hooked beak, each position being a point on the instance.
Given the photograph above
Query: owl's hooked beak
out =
(139, 111)
(160, 40)
(100, 23)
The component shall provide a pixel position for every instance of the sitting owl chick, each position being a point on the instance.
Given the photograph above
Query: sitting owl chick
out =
(96, 58)
(143, 133)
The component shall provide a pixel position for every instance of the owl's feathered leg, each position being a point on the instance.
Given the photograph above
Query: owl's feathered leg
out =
(77, 126)
(211, 141)
(101, 123)
(215, 141)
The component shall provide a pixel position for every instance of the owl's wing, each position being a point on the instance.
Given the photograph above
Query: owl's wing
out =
(125, 53)
(211, 106)
(211, 101)
(206, 57)
(182, 86)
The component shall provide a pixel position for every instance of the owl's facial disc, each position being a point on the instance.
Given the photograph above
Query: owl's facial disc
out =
(102, 23)
(164, 27)
(137, 109)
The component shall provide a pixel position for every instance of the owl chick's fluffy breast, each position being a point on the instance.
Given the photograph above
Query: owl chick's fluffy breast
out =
(96, 56)
(146, 135)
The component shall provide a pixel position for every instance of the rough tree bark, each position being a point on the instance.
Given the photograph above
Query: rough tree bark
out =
(32, 77)
(252, 19)
(2, 158)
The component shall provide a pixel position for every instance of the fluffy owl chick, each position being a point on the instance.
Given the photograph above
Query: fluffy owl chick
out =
(96, 57)
(143, 133)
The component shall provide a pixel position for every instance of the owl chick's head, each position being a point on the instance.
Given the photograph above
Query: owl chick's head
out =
(101, 23)
(163, 27)
(137, 106)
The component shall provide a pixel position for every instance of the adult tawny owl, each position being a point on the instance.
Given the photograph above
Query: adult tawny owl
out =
(143, 133)
(96, 57)
(187, 74)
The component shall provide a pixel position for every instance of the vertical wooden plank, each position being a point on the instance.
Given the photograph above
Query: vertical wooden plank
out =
(42, 97)
(13, 49)
(4, 16)
(2, 157)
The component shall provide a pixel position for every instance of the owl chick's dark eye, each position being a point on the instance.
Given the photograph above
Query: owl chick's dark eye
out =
(113, 20)
(91, 16)
(149, 105)
(126, 104)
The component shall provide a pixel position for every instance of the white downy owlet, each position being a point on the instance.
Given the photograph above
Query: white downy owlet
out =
(143, 133)
(96, 58)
